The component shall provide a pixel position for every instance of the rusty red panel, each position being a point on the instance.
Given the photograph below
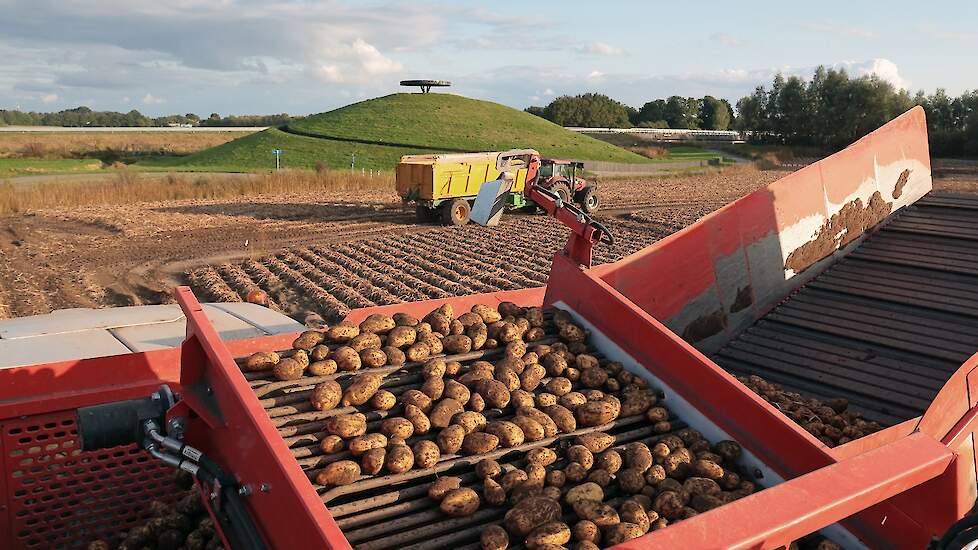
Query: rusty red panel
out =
(779, 515)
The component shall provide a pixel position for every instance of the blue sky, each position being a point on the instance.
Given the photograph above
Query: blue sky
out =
(246, 56)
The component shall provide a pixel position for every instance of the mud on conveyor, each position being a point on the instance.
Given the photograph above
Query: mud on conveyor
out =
(887, 325)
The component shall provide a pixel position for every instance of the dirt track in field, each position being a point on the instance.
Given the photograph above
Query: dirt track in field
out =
(316, 256)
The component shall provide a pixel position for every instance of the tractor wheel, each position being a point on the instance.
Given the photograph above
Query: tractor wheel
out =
(425, 214)
(588, 199)
(561, 190)
(456, 212)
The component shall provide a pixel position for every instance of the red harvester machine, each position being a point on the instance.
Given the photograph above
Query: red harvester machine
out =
(847, 277)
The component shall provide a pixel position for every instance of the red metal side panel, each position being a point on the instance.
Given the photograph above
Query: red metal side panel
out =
(523, 297)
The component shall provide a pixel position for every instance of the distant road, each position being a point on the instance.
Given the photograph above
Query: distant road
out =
(21, 129)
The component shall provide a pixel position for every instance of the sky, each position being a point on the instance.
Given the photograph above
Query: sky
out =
(305, 56)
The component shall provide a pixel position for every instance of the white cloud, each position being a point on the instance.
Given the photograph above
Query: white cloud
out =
(372, 61)
(600, 48)
(595, 75)
(149, 99)
(883, 68)
(357, 62)
(548, 91)
(126, 100)
(49, 98)
(725, 39)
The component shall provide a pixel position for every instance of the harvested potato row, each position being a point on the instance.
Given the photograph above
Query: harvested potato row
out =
(830, 421)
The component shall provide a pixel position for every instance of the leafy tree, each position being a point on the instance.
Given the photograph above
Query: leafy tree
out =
(533, 110)
(588, 110)
(683, 112)
(714, 113)
(651, 113)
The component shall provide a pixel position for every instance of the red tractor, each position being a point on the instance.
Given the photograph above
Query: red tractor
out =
(560, 177)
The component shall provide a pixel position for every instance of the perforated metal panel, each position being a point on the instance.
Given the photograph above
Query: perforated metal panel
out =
(61, 497)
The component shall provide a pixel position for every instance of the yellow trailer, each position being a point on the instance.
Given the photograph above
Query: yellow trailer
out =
(447, 184)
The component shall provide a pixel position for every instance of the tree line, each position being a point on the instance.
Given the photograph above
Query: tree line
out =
(84, 116)
(600, 111)
(828, 111)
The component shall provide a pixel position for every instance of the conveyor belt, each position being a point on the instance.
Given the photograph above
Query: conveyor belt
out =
(887, 325)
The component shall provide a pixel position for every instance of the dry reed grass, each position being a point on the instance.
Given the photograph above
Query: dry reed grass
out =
(81, 144)
(127, 187)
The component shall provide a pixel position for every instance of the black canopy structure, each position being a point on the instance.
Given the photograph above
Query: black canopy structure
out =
(426, 85)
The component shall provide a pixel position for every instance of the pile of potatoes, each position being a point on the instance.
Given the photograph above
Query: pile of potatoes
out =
(532, 392)
(830, 421)
(185, 526)
(589, 493)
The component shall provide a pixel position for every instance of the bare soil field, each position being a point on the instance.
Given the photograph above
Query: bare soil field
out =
(319, 254)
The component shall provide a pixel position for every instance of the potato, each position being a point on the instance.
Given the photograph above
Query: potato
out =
(342, 333)
(347, 425)
(287, 369)
(702, 486)
(632, 512)
(655, 475)
(575, 472)
(433, 388)
(372, 461)
(572, 400)
(552, 532)
(532, 430)
(262, 360)
(668, 504)
(705, 503)
(508, 332)
(729, 481)
(513, 479)
(609, 460)
(703, 446)
(450, 439)
(494, 537)
(373, 358)
(418, 418)
(418, 352)
(401, 337)
(556, 478)
(554, 363)
(476, 403)
(456, 344)
(493, 492)
(433, 341)
(559, 386)
(582, 492)
(364, 387)
(729, 450)
(478, 333)
(595, 413)
(404, 320)
(636, 402)
(341, 472)
(536, 475)
(308, 340)
(563, 418)
(621, 532)
(707, 469)
(572, 333)
(377, 323)
(442, 413)
(596, 511)
(325, 367)
(332, 444)
(638, 456)
(460, 502)
(541, 456)
(509, 433)
(365, 341)
(319, 353)
(471, 421)
(657, 414)
(395, 357)
(521, 398)
(508, 377)
(347, 359)
(550, 428)
(586, 531)
(455, 390)
(426, 453)
(631, 480)
(442, 486)
(397, 427)
(599, 476)
(488, 314)
(479, 443)
(531, 377)
(416, 398)
(677, 464)
(595, 442)
(399, 459)
(364, 443)
(530, 513)
(494, 392)
(593, 377)
(423, 329)
(516, 349)
(544, 400)
(474, 376)
(581, 455)
(326, 396)
(383, 400)
(491, 343)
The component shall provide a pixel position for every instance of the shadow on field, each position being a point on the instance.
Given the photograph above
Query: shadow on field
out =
(309, 212)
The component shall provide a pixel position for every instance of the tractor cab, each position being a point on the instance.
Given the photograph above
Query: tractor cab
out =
(560, 176)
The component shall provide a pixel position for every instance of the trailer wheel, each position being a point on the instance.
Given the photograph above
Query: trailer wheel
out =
(425, 214)
(588, 198)
(456, 212)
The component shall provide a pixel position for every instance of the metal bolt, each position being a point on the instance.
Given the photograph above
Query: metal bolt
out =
(758, 474)
(176, 426)
(264, 487)
(244, 490)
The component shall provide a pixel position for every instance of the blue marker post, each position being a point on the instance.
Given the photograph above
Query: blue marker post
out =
(278, 156)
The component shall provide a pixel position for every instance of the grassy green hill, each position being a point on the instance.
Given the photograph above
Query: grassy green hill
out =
(380, 130)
